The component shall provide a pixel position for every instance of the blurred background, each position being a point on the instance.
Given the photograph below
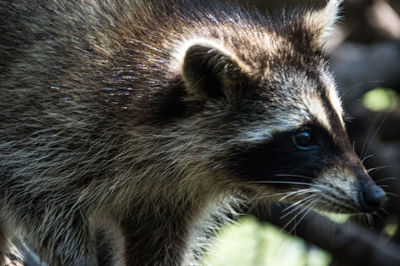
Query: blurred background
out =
(365, 59)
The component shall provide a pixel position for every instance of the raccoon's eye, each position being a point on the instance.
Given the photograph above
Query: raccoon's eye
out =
(303, 140)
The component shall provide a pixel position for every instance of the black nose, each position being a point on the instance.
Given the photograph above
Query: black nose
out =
(372, 197)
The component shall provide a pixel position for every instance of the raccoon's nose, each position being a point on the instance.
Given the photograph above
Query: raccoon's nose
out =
(372, 197)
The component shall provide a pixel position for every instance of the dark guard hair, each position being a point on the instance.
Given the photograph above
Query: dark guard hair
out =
(128, 127)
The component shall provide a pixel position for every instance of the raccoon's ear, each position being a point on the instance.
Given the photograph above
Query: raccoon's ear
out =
(210, 71)
(321, 22)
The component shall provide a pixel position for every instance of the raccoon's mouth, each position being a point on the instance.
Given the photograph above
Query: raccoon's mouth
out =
(327, 197)
(343, 196)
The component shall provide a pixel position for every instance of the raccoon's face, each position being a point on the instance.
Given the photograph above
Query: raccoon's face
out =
(274, 112)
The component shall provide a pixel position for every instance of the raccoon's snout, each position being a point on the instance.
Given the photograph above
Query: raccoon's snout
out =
(371, 197)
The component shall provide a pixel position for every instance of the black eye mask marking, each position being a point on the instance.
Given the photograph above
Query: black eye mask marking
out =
(305, 151)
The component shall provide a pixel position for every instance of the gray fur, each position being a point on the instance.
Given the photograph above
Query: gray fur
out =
(112, 137)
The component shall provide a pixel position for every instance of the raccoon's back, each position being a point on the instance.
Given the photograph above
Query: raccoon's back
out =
(63, 64)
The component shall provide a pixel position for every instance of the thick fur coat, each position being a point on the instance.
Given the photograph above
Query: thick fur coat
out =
(128, 128)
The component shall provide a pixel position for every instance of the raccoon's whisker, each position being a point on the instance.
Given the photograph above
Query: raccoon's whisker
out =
(378, 82)
(386, 179)
(308, 210)
(368, 136)
(298, 192)
(392, 194)
(385, 211)
(303, 210)
(285, 194)
(295, 205)
(376, 132)
(293, 218)
(298, 205)
(366, 157)
(301, 207)
(370, 220)
(300, 201)
(292, 175)
(289, 193)
(328, 198)
(281, 182)
(272, 196)
(376, 168)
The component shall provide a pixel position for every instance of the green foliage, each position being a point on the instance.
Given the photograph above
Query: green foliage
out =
(250, 243)
(391, 227)
(335, 217)
(380, 99)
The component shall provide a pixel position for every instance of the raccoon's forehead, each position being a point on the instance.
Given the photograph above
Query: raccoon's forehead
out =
(305, 97)
(295, 100)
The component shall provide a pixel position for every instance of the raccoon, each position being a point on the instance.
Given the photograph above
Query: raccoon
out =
(129, 127)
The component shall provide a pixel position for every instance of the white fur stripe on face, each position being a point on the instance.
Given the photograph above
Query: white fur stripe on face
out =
(312, 107)
(317, 109)
(332, 94)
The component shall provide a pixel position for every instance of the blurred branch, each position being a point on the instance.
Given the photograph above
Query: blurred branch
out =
(349, 244)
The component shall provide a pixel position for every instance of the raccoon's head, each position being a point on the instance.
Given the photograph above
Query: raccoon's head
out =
(269, 111)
